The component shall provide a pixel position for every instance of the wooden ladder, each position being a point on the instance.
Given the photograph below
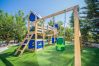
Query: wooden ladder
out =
(23, 45)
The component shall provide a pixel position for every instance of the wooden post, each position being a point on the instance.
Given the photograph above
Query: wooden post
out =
(28, 26)
(48, 36)
(51, 39)
(76, 38)
(36, 26)
(43, 33)
(35, 36)
(48, 40)
(53, 36)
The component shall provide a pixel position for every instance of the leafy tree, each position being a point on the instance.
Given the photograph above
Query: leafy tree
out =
(6, 26)
(60, 23)
(68, 34)
(51, 23)
(60, 28)
(20, 26)
(12, 27)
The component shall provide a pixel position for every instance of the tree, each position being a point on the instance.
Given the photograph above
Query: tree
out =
(92, 8)
(92, 12)
(51, 23)
(60, 28)
(12, 27)
(20, 26)
(68, 34)
(6, 26)
(72, 20)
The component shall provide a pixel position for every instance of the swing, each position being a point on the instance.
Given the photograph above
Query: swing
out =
(60, 45)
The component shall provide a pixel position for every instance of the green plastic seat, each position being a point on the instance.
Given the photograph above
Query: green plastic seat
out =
(60, 41)
(60, 44)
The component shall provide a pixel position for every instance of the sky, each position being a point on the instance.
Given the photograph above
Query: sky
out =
(42, 7)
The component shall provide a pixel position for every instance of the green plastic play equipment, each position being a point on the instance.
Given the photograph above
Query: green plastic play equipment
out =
(60, 44)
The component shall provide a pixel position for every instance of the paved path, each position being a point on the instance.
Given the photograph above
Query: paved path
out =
(3, 49)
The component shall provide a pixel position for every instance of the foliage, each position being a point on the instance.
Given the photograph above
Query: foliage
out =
(92, 20)
(72, 20)
(85, 30)
(51, 23)
(88, 27)
(6, 26)
(62, 31)
(92, 7)
(12, 27)
(20, 30)
(69, 34)
(60, 28)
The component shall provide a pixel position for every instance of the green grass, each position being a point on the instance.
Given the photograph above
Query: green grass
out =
(49, 57)
(1, 63)
(90, 57)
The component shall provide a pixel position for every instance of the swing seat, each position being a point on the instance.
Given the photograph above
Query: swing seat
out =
(60, 41)
(60, 44)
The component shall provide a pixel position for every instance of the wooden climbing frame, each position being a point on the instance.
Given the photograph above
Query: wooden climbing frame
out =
(77, 53)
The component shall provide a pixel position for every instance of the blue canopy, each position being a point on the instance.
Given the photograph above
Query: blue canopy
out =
(33, 16)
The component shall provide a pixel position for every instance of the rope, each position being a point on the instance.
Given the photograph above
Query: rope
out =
(53, 21)
(64, 24)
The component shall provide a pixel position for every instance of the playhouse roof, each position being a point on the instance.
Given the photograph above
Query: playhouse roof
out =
(33, 16)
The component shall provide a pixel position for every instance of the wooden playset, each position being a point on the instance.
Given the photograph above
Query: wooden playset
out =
(35, 38)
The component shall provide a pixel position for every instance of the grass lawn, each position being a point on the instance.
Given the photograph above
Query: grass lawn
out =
(49, 57)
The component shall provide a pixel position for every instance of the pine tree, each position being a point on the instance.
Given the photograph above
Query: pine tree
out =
(92, 18)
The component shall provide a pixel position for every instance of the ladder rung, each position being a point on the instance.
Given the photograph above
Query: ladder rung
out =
(32, 32)
(39, 27)
(24, 44)
(19, 50)
(39, 32)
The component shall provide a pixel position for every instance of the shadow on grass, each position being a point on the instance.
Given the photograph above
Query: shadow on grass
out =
(57, 58)
(4, 56)
(8, 53)
(60, 58)
(91, 58)
(95, 59)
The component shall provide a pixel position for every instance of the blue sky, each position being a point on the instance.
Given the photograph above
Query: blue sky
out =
(42, 7)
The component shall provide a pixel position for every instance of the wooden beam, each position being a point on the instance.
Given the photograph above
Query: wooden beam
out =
(43, 34)
(35, 36)
(54, 35)
(39, 27)
(28, 26)
(77, 38)
(57, 13)
(36, 26)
